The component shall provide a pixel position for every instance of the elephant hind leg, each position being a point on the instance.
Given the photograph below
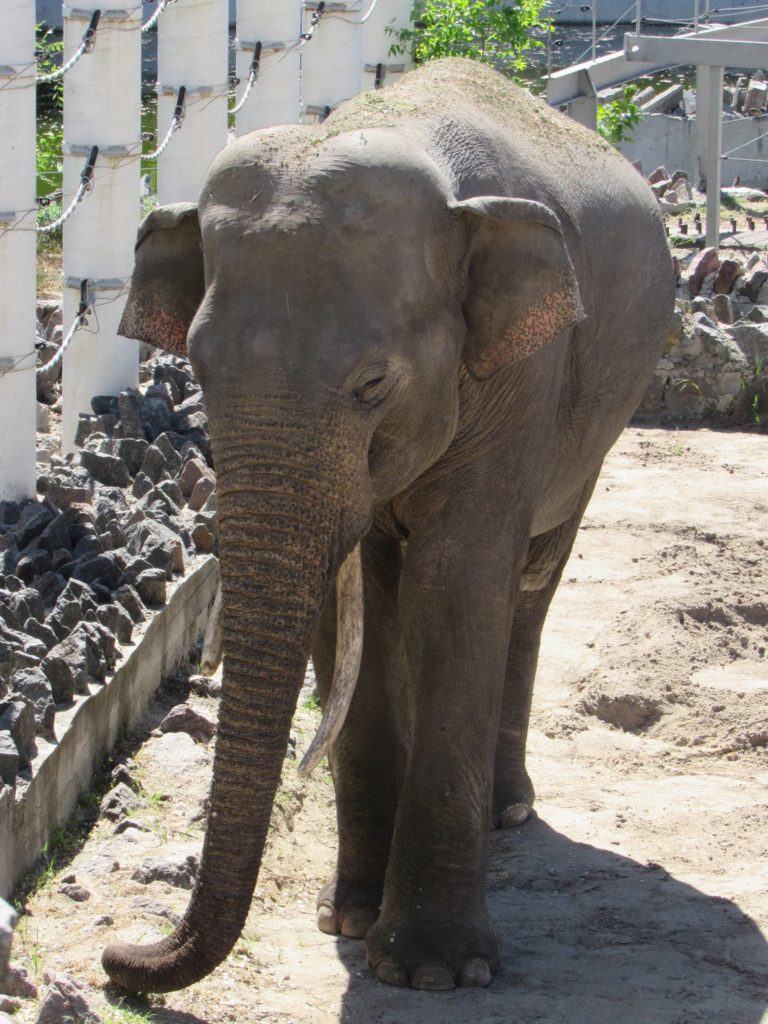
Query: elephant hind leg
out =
(513, 792)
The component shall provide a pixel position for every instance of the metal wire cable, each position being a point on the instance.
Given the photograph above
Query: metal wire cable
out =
(176, 122)
(153, 20)
(86, 184)
(79, 321)
(750, 142)
(86, 46)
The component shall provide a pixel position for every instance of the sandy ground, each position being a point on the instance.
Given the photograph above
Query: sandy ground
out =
(638, 895)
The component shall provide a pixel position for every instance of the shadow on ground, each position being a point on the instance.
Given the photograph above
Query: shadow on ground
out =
(590, 937)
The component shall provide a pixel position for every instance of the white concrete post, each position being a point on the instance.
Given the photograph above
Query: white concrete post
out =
(102, 107)
(17, 250)
(330, 70)
(192, 50)
(711, 104)
(379, 68)
(275, 96)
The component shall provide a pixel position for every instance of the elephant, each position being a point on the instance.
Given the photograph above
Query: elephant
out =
(418, 327)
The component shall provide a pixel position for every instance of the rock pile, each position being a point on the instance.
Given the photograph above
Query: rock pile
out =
(717, 354)
(80, 568)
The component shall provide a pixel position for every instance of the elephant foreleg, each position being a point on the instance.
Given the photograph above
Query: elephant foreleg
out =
(513, 792)
(368, 757)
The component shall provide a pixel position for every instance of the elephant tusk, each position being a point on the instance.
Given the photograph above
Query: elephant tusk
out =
(349, 651)
(210, 659)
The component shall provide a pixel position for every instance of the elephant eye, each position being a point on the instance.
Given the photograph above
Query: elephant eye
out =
(372, 387)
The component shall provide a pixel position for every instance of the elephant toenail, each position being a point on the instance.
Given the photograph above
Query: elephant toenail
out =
(476, 974)
(326, 919)
(357, 923)
(391, 973)
(514, 815)
(433, 978)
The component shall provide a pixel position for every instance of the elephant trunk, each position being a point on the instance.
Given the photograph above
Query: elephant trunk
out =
(283, 534)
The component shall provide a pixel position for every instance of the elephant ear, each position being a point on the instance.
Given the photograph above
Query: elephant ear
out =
(168, 282)
(521, 288)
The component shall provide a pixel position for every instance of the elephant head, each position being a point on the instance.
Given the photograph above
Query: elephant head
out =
(332, 290)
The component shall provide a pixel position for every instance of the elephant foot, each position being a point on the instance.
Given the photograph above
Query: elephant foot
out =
(347, 908)
(435, 959)
(512, 800)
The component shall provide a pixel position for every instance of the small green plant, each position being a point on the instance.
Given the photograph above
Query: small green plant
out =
(616, 119)
(494, 33)
(311, 703)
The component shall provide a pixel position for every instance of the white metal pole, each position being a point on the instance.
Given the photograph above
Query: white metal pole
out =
(713, 101)
(382, 21)
(275, 96)
(192, 51)
(17, 250)
(102, 107)
(330, 70)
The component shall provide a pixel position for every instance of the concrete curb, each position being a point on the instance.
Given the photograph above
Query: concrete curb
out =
(88, 730)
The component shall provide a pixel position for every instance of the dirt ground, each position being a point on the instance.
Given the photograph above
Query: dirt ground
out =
(637, 895)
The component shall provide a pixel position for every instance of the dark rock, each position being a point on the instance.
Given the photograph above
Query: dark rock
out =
(40, 632)
(704, 263)
(184, 718)
(59, 673)
(203, 539)
(67, 661)
(34, 603)
(88, 426)
(10, 511)
(132, 451)
(726, 276)
(17, 983)
(202, 491)
(157, 500)
(205, 686)
(134, 568)
(122, 773)
(36, 563)
(87, 545)
(754, 280)
(190, 473)
(118, 802)
(32, 684)
(181, 874)
(162, 392)
(104, 920)
(65, 1000)
(9, 759)
(102, 569)
(104, 405)
(164, 442)
(141, 485)
(155, 465)
(51, 584)
(107, 469)
(18, 718)
(75, 892)
(117, 620)
(180, 375)
(33, 520)
(129, 599)
(150, 587)
(156, 417)
(68, 495)
(130, 404)
(193, 418)
(170, 490)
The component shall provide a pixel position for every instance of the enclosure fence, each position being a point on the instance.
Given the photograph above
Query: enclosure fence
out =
(293, 62)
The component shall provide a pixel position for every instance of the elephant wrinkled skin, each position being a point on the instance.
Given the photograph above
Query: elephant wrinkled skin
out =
(418, 327)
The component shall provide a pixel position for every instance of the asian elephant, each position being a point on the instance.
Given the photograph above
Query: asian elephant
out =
(418, 328)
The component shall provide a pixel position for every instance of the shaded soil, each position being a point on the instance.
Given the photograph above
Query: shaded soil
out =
(638, 894)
